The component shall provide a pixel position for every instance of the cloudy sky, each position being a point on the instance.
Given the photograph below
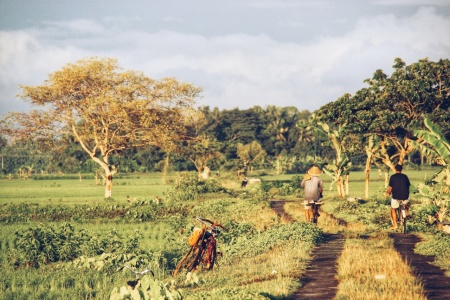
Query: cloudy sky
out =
(302, 53)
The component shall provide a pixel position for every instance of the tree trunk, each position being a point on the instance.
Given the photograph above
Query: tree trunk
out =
(347, 178)
(278, 166)
(386, 178)
(340, 187)
(165, 169)
(108, 186)
(204, 175)
(108, 180)
(367, 178)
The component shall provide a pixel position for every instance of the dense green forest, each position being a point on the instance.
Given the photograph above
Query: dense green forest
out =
(375, 125)
(281, 132)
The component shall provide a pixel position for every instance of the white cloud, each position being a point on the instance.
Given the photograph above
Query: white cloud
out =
(412, 2)
(287, 3)
(235, 70)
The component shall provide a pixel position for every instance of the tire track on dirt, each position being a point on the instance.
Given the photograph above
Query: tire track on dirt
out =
(436, 284)
(319, 280)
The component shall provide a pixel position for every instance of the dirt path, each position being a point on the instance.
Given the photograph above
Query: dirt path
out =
(436, 284)
(319, 280)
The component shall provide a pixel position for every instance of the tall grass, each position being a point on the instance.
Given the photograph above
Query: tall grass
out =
(268, 270)
(370, 268)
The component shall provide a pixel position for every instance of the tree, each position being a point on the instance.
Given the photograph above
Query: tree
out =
(105, 109)
(435, 144)
(200, 151)
(200, 148)
(392, 107)
(249, 153)
(341, 165)
(437, 188)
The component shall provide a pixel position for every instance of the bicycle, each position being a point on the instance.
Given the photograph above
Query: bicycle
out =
(314, 206)
(401, 216)
(203, 251)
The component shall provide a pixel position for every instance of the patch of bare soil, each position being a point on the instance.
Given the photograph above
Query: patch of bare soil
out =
(319, 280)
(436, 284)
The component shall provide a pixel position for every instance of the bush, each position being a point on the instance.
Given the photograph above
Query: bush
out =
(188, 187)
(250, 245)
(41, 245)
(438, 246)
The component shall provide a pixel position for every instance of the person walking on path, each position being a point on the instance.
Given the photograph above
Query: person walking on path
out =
(399, 188)
(313, 187)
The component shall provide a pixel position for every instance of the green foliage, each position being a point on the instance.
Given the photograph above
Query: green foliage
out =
(188, 187)
(371, 212)
(250, 245)
(255, 194)
(41, 245)
(232, 293)
(147, 288)
(437, 188)
(54, 283)
(393, 107)
(438, 246)
(282, 187)
(139, 210)
(434, 141)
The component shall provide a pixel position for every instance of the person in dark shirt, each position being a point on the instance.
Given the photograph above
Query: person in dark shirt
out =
(399, 188)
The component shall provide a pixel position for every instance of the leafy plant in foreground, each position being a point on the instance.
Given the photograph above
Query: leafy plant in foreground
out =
(147, 288)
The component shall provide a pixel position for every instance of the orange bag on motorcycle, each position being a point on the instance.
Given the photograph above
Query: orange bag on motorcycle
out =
(196, 235)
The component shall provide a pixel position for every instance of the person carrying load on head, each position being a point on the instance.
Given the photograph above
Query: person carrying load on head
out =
(313, 187)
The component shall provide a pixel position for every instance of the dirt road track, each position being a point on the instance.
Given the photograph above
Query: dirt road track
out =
(319, 280)
(436, 284)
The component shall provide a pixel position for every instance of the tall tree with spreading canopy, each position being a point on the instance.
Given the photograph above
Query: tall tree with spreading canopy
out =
(392, 107)
(250, 153)
(201, 148)
(105, 109)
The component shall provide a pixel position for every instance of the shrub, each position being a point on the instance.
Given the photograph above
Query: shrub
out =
(249, 245)
(188, 187)
(438, 246)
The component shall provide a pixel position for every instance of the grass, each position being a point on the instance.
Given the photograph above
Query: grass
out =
(86, 191)
(370, 268)
(270, 273)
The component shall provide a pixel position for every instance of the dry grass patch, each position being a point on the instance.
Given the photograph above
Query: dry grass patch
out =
(370, 268)
(295, 209)
(326, 222)
(273, 273)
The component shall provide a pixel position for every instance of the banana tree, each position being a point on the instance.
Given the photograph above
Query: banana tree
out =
(437, 189)
(435, 143)
(339, 170)
(339, 174)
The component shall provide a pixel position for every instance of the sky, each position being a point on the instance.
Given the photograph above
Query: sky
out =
(242, 53)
